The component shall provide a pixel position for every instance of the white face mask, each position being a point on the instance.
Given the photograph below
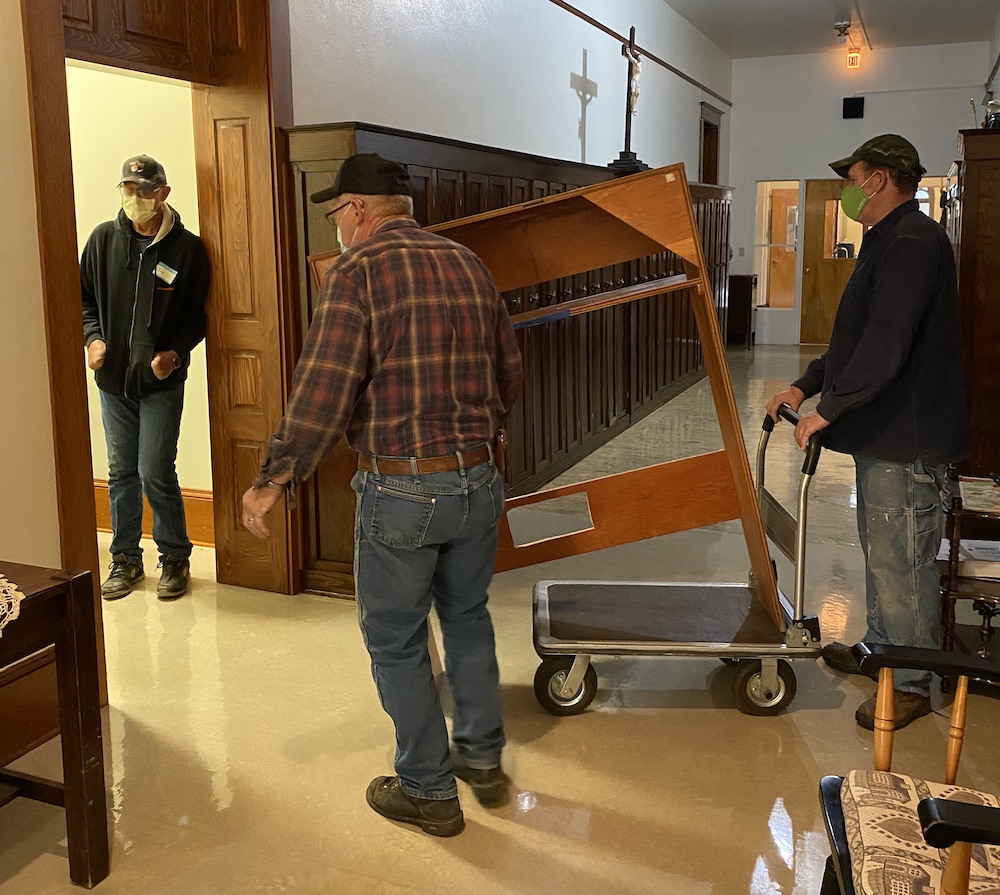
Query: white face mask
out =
(139, 210)
(340, 240)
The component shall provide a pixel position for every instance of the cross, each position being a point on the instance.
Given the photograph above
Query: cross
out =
(632, 88)
(627, 162)
(586, 90)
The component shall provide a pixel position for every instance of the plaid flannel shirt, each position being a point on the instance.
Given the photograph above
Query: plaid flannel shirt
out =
(410, 352)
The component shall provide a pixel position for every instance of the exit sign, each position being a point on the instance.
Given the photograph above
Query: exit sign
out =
(854, 58)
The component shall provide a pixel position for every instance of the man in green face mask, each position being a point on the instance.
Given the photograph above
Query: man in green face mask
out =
(892, 395)
(144, 280)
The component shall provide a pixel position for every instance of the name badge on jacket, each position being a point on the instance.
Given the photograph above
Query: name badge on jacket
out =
(165, 272)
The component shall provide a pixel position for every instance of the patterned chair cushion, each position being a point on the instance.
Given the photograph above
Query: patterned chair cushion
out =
(888, 852)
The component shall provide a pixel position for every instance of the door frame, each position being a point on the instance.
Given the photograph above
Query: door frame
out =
(48, 110)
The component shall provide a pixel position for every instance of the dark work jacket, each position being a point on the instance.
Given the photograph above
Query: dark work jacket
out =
(891, 381)
(130, 305)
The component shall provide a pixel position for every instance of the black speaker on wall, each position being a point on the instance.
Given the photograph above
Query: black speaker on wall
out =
(854, 107)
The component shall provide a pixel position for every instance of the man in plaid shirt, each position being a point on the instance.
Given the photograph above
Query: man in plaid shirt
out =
(411, 354)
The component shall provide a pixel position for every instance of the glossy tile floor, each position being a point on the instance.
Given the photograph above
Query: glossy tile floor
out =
(244, 728)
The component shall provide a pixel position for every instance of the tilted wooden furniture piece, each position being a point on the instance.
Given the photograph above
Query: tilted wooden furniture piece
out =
(598, 226)
(58, 610)
(880, 823)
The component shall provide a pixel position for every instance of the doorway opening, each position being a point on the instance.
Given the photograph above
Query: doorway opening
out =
(776, 242)
(115, 114)
(708, 154)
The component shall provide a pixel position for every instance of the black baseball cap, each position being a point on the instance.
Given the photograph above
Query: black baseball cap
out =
(884, 151)
(143, 170)
(369, 175)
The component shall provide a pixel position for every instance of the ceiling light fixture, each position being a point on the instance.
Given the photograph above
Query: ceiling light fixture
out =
(843, 29)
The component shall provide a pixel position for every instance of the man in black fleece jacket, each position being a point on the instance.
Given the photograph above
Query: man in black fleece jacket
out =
(892, 395)
(144, 280)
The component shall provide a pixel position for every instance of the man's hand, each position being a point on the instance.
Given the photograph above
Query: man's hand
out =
(257, 503)
(96, 352)
(792, 396)
(808, 424)
(164, 363)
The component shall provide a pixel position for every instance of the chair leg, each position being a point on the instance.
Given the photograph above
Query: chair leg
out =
(830, 885)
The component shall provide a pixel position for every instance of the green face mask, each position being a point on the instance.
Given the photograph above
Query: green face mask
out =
(139, 210)
(854, 199)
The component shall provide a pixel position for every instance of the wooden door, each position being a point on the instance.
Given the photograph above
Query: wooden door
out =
(823, 276)
(247, 325)
(781, 254)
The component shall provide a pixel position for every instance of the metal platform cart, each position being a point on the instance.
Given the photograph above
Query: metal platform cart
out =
(575, 620)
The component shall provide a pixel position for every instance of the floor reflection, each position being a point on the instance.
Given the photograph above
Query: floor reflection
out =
(244, 728)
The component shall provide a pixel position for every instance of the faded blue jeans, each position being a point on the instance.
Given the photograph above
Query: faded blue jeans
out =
(901, 522)
(142, 449)
(423, 540)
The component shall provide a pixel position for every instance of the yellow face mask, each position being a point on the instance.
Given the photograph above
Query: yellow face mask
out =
(139, 210)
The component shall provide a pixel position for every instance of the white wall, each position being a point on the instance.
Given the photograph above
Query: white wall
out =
(114, 115)
(498, 74)
(788, 124)
(29, 521)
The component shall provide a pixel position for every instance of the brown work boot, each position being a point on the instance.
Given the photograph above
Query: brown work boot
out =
(174, 580)
(840, 658)
(907, 707)
(125, 573)
(490, 786)
(439, 817)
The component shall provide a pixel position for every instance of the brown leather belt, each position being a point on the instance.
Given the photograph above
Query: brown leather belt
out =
(398, 466)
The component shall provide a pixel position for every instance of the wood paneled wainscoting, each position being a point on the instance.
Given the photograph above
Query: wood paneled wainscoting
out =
(587, 378)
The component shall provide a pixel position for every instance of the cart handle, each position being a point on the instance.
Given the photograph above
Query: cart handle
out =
(813, 447)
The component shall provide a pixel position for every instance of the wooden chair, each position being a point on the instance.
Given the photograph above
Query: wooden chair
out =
(890, 833)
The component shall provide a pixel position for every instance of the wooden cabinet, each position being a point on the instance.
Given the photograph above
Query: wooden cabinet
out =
(180, 39)
(974, 227)
(586, 378)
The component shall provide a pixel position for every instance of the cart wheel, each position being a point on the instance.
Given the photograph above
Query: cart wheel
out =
(751, 699)
(550, 677)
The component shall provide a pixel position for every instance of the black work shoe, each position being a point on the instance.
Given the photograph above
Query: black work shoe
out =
(490, 786)
(125, 572)
(174, 580)
(439, 817)
(839, 657)
(906, 706)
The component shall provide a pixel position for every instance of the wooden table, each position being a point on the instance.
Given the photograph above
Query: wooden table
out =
(58, 610)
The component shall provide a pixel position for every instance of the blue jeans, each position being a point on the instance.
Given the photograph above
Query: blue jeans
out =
(421, 540)
(901, 521)
(142, 447)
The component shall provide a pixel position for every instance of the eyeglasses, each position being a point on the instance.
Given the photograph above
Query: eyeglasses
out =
(331, 215)
(146, 190)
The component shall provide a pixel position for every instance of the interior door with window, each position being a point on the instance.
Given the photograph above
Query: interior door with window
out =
(830, 243)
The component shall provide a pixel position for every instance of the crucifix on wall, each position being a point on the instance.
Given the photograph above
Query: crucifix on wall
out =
(627, 162)
(586, 90)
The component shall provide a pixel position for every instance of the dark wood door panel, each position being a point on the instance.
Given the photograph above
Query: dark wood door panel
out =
(173, 38)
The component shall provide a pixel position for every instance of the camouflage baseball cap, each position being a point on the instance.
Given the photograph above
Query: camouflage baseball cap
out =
(887, 150)
(143, 170)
